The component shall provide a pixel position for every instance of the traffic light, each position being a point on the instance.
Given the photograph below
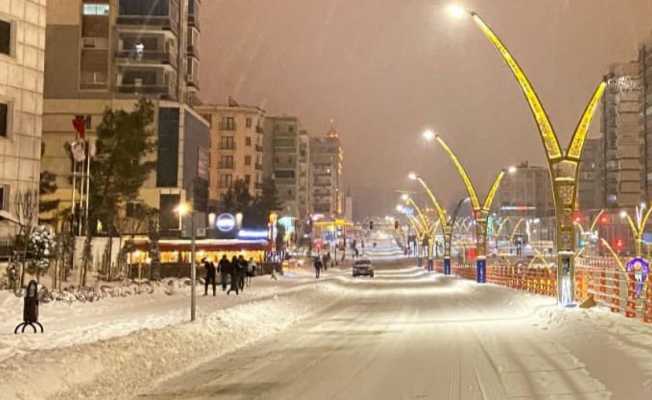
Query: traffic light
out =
(371, 225)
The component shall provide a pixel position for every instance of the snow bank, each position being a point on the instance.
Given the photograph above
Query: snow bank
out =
(115, 368)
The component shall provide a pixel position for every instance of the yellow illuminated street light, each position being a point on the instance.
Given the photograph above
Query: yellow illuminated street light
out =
(457, 11)
(637, 227)
(480, 210)
(445, 222)
(562, 165)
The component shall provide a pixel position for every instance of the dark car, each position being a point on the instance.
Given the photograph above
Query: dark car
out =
(363, 267)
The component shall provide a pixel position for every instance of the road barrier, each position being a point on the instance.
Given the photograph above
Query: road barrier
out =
(598, 277)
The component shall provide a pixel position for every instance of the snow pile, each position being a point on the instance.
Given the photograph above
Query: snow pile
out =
(115, 368)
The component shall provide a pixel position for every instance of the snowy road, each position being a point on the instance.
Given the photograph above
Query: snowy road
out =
(404, 336)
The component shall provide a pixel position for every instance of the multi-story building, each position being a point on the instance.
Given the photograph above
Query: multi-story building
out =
(591, 185)
(284, 161)
(645, 67)
(326, 160)
(236, 147)
(304, 183)
(525, 192)
(108, 54)
(22, 44)
(621, 129)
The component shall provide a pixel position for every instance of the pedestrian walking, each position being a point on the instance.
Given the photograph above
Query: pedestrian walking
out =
(317, 263)
(235, 276)
(224, 267)
(244, 267)
(210, 276)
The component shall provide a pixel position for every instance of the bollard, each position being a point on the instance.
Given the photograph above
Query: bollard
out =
(648, 301)
(30, 309)
(630, 312)
(615, 295)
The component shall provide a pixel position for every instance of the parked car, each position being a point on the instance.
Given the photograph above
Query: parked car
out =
(363, 267)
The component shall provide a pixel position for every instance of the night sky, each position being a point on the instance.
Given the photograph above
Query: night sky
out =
(387, 69)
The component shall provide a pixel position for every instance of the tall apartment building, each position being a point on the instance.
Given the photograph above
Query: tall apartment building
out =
(110, 53)
(645, 68)
(621, 129)
(285, 159)
(326, 161)
(236, 147)
(591, 178)
(22, 44)
(525, 192)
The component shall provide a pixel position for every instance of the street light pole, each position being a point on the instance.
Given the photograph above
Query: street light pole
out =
(193, 270)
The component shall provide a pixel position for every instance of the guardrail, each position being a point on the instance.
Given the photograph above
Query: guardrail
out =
(622, 292)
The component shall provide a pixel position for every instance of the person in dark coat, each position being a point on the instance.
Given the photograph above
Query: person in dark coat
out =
(318, 266)
(244, 267)
(224, 267)
(210, 276)
(235, 276)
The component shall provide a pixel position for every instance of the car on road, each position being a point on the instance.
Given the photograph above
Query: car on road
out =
(363, 267)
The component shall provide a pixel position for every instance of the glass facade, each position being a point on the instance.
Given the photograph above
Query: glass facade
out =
(168, 147)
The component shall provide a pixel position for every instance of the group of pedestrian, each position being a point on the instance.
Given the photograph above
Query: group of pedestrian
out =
(237, 271)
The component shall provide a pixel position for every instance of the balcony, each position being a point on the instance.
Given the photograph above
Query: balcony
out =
(259, 148)
(225, 165)
(227, 127)
(147, 57)
(193, 21)
(227, 146)
(164, 91)
(163, 22)
(259, 166)
(192, 80)
(259, 129)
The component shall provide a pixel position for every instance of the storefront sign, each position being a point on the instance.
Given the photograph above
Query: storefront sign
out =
(225, 222)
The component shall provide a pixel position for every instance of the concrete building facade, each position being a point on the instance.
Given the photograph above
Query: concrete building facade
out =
(326, 162)
(236, 151)
(286, 164)
(645, 67)
(621, 129)
(591, 180)
(525, 192)
(22, 53)
(110, 53)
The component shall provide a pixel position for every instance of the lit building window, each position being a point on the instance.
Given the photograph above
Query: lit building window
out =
(96, 9)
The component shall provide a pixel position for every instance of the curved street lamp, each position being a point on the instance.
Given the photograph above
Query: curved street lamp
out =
(562, 165)
(480, 210)
(445, 222)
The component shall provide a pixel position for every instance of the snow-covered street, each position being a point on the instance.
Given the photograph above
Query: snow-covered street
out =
(404, 335)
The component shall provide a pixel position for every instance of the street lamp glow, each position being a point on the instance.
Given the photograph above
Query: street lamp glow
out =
(400, 208)
(623, 214)
(457, 11)
(512, 169)
(413, 176)
(405, 197)
(429, 135)
(643, 205)
(182, 209)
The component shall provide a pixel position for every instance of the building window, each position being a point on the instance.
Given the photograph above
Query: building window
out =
(96, 9)
(228, 124)
(226, 162)
(248, 122)
(290, 128)
(4, 119)
(227, 143)
(4, 197)
(248, 141)
(5, 37)
(226, 181)
(247, 160)
(247, 179)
